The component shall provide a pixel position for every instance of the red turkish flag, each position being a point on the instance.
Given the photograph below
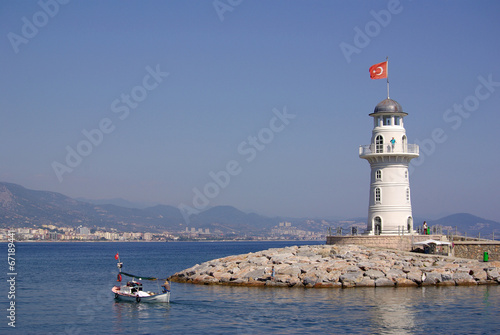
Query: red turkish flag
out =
(117, 256)
(378, 71)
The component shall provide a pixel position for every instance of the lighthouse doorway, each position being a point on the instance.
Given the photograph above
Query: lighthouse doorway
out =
(377, 225)
(410, 224)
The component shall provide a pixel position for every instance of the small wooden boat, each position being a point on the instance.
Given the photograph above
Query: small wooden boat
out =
(133, 290)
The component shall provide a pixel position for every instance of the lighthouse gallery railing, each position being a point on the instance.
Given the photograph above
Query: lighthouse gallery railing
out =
(388, 149)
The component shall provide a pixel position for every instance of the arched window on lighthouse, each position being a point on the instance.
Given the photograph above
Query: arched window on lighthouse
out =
(377, 196)
(379, 144)
(405, 145)
(378, 175)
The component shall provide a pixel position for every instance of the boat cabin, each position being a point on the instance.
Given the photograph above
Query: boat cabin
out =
(132, 287)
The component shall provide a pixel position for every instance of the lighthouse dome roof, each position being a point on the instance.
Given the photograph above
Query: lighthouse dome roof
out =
(389, 106)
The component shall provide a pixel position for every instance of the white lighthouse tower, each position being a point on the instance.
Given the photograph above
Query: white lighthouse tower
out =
(389, 154)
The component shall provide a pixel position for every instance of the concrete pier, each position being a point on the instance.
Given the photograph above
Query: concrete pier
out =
(396, 242)
(472, 248)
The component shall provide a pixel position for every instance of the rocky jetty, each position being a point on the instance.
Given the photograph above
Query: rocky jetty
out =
(340, 266)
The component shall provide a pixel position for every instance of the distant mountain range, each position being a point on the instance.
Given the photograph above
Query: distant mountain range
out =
(118, 202)
(21, 207)
(467, 223)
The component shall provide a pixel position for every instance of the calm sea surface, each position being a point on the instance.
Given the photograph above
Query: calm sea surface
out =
(65, 288)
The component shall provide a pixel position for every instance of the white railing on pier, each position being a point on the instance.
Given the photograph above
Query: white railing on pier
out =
(388, 149)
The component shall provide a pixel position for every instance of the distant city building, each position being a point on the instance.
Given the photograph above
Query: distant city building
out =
(197, 231)
(389, 154)
(83, 230)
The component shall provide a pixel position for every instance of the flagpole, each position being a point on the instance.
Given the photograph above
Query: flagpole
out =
(387, 69)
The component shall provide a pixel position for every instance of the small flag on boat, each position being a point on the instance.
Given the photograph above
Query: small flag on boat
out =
(117, 256)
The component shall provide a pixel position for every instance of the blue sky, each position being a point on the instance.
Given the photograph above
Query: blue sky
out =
(177, 90)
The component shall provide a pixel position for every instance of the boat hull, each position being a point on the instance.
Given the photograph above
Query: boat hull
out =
(163, 297)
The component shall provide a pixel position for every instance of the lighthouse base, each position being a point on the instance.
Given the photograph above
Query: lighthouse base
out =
(401, 232)
(390, 220)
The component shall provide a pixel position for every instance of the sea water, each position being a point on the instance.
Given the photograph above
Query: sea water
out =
(65, 288)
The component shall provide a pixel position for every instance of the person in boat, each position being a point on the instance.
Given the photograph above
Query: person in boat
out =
(166, 286)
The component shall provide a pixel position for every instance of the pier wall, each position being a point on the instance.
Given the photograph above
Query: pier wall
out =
(476, 249)
(461, 249)
(397, 242)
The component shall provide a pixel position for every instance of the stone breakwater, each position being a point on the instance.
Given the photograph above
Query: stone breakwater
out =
(340, 266)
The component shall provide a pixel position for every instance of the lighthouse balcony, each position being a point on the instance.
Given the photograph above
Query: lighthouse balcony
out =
(384, 149)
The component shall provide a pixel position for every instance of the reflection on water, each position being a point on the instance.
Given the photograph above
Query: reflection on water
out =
(250, 310)
(134, 317)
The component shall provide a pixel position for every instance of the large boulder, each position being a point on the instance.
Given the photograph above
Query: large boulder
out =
(350, 279)
(292, 271)
(374, 274)
(479, 274)
(463, 279)
(431, 278)
(285, 258)
(415, 275)
(393, 274)
(381, 282)
(366, 282)
(258, 274)
(404, 282)
(493, 274)
(365, 266)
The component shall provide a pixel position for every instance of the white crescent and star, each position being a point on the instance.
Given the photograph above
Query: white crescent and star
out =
(381, 71)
